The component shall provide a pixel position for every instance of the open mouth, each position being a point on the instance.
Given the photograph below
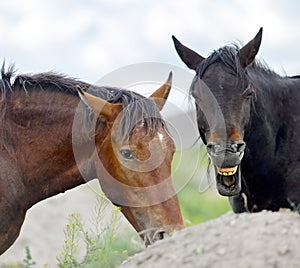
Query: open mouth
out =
(228, 180)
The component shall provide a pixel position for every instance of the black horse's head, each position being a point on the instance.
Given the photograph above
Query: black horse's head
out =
(223, 92)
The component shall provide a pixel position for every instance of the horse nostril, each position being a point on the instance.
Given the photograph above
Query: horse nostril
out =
(238, 146)
(241, 145)
(154, 236)
(211, 147)
(161, 235)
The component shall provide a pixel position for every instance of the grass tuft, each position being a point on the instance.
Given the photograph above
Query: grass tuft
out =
(103, 247)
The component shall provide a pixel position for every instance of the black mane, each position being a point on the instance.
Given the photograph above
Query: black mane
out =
(136, 108)
(228, 55)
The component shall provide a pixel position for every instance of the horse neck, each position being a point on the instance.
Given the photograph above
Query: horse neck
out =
(37, 144)
(269, 112)
(271, 92)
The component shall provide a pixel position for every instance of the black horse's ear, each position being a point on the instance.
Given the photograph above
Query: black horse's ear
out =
(248, 52)
(188, 56)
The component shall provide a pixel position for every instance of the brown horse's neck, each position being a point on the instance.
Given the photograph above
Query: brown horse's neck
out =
(37, 144)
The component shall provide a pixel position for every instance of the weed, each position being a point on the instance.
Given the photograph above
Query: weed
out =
(28, 262)
(295, 207)
(100, 242)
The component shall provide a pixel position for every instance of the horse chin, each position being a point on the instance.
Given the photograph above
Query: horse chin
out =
(229, 185)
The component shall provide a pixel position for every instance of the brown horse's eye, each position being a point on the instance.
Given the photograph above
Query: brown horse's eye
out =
(127, 154)
(248, 92)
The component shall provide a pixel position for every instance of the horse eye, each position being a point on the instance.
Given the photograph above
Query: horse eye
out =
(248, 92)
(127, 154)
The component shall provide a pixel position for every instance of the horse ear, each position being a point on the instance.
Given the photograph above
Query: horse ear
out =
(248, 52)
(160, 95)
(188, 56)
(102, 108)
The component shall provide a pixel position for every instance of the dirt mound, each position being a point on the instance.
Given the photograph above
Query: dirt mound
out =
(266, 239)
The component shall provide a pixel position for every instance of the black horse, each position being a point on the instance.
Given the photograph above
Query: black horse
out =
(249, 119)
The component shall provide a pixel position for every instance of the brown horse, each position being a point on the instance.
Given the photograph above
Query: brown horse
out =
(51, 141)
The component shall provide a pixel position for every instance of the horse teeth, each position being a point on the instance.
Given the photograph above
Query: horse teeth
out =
(227, 171)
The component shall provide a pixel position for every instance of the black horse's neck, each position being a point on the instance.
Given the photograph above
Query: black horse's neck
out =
(268, 111)
(265, 162)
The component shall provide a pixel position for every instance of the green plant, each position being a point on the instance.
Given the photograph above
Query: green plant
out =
(67, 257)
(199, 207)
(103, 247)
(295, 207)
(8, 264)
(28, 262)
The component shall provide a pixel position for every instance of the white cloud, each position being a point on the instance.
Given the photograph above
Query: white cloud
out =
(97, 37)
(39, 26)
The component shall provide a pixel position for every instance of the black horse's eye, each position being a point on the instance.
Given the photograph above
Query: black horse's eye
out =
(127, 154)
(248, 92)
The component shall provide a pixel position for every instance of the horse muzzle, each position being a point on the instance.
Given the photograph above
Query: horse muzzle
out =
(152, 235)
(226, 160)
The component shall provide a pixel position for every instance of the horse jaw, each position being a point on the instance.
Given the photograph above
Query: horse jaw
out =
(229, 184)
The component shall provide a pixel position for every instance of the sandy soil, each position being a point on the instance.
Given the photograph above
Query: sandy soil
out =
(43, 228)
(258, 240)
(263, 239)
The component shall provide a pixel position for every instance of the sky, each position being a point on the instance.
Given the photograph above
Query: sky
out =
(89, 39)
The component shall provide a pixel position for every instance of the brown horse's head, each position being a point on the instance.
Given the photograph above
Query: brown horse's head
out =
(134, 164)
(223, 93)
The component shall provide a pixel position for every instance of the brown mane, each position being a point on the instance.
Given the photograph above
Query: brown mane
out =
(136, 108)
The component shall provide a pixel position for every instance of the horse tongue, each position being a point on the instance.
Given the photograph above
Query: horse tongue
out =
(228, 181)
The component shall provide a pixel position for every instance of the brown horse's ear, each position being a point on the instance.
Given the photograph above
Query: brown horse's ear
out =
(248, 52)
(188, 56)
(102, 108)
(160, 95)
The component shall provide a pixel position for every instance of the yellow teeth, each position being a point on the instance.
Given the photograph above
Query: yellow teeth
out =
(227, 171)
